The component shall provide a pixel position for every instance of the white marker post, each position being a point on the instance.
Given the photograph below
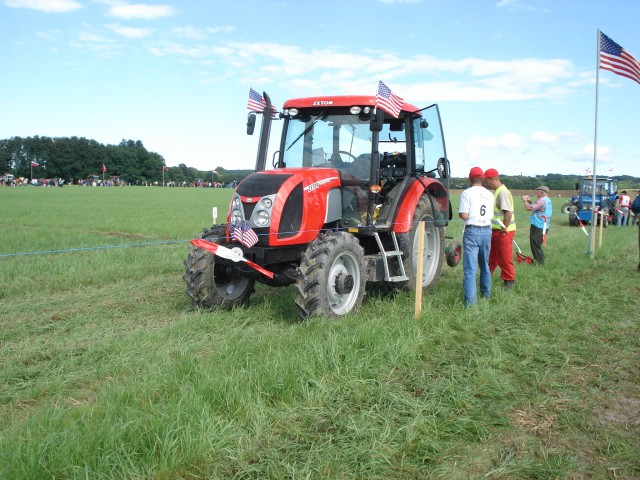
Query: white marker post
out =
(214, 213)
(419, 270)
(601, 228)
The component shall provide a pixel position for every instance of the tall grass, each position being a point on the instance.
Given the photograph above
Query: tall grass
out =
(107, 371)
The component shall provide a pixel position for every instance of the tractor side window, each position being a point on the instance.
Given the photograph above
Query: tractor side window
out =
(432, 147)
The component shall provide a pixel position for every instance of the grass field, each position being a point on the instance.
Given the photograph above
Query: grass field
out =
(108, 372)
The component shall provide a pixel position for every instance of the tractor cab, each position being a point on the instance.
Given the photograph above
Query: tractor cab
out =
(375, 155)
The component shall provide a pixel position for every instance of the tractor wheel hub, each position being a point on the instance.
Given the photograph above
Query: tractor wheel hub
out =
(344, 283)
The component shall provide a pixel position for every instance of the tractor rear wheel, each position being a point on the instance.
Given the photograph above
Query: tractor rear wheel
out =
(433, 256)
(331, 280)
(211, 284)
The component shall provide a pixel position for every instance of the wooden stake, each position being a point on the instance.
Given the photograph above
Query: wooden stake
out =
(601, 228)
(419, 270)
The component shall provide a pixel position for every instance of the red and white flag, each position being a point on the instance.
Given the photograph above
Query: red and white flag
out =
(34, 164)
(104, 169)
(229, 254)
(582, 225)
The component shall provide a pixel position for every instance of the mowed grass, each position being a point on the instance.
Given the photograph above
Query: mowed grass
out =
(107, 371)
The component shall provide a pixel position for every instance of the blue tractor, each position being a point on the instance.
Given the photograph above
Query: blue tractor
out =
(580, 205)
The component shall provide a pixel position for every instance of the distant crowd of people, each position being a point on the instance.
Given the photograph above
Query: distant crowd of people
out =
(10, 181)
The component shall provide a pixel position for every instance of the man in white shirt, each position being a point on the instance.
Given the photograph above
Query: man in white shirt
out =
(623, 213)
(476, 209)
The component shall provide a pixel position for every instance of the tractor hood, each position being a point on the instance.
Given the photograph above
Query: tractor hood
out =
(303, 200)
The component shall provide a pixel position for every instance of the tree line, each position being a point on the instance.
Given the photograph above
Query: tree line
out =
(76, 158)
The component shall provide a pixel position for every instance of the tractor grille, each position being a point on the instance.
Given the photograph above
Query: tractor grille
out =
(291, 219)
(259, 185)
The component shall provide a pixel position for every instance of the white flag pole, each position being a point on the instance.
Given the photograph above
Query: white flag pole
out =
(595, 151)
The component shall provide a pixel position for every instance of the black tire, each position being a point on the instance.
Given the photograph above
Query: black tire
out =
(211, 284)
(433, 249)
(332, 276)
(573, 219)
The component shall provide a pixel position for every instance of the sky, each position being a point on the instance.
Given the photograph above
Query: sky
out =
(515, 79)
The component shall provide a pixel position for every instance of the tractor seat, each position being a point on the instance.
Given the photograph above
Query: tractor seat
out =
(393, 166)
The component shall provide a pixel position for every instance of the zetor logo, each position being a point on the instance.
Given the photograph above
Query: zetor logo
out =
(318, 184)
(323, 102)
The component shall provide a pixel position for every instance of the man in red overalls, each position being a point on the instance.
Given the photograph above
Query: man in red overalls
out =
(501, 234)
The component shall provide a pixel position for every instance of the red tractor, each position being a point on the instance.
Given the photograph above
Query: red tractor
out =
(350, 186)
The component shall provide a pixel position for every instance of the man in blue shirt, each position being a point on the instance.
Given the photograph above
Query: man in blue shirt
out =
(540, 221)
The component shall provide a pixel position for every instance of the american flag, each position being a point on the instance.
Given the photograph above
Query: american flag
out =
(617, 60)
(256, 103)
(388, 101)
(249, 237)
(243, 234)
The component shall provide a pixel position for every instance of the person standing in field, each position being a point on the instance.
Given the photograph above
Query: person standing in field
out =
(501, 235)
(623, 212)
(635, 209)
(476, 211)
(540, 221)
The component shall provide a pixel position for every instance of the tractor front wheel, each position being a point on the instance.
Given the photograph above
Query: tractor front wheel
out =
(331, 279)
(211, 284)
(567, 207)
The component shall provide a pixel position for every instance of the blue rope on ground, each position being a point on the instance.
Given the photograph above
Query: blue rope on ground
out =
(105, 247)
(87, 249)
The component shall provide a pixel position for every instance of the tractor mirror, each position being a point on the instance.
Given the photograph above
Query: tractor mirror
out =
(251, 123)
(443, 168)
(377, 121)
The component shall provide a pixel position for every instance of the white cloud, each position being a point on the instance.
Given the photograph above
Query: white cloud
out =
(130, 32)
(585, 154)
(139, 10)
(95, 43)
(193, 33)
(553, 138)
(479, 147)
(470, 79)
(47, 6)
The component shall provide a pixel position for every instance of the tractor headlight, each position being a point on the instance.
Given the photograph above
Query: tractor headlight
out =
(266, 203)
(236, 216)
(262, 218)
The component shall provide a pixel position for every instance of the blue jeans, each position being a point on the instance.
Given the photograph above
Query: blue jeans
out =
(476, 244)
(623, 217)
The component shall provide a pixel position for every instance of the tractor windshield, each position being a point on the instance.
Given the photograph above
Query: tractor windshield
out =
(334, 140)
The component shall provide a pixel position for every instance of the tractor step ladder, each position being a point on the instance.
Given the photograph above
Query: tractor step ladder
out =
(386, 255)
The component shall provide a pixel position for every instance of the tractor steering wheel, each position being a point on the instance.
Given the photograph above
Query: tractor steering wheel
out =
(353, 157)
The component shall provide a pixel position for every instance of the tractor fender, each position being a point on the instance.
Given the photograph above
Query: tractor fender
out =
(437, 196)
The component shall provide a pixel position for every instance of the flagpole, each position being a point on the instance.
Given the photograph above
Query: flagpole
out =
(595, 150)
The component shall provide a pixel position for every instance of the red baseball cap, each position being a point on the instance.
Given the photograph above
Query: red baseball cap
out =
(476, 172)
(491, 173)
